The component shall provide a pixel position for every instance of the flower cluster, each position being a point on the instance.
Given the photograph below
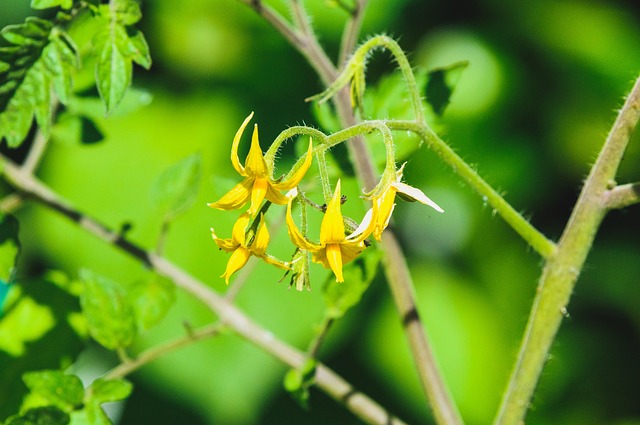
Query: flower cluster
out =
(339, 243)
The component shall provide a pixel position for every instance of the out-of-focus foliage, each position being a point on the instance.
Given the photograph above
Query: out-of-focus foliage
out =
(531, 109)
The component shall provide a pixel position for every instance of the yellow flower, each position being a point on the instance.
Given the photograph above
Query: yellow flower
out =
(242, 249)
(385, 202)
(258, 183)
(335, 248)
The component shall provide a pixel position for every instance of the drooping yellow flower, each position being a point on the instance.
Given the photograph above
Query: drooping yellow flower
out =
(242, 249)
(335, 248)
(258, 183)
(385, 202)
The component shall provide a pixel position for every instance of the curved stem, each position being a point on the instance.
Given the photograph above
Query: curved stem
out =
(563, 268)
(326, 379)
(526, 230)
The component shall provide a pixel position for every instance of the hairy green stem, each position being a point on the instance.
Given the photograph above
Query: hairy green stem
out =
(563, 267)
(526, 230)
(351, 31)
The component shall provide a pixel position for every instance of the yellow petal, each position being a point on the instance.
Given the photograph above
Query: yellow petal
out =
(275, 262)
(275, 196)
(239, 228)
(297, 176)
(237, 261)
(296, 236)
(261, 239)
(385, 209)
(236, 197)
(332, 227)
(235, 161)
(258, 193)
(226, 244)
(351, 251)
(334, 258)
(255, 165)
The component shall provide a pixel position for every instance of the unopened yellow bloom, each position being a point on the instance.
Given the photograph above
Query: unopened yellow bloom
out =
(335, 248)
(385, 202)
(242, 249)
(258, 183)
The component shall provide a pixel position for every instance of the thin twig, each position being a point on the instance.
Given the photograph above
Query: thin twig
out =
(156, 352)
(563, 268)
(326, 379)
(622, 196)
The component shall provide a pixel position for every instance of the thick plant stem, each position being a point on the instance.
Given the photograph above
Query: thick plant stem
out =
(562, 269)
(402, 288)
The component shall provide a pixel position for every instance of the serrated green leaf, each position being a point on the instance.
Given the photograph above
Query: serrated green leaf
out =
(139, 49)
(39, 57)
(127, 12)
(9, 247)
(109, 390)
(63, 391)
(61, 58)
(48, 415)
(176, 188)
(151, 300)
(340, 297)
(113, 65)
(440, 85)
(27, 34)
(109, 315)
(46, 4)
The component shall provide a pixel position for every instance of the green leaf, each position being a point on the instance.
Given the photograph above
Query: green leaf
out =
(9, 247)
(176, 188)
(340, 297)
(61, 58)
(113, 65)
(63, 391)
(92, 414)
(126, 12)
(46, 4)
(298, 381)
(151, 300)
(48, 415)
(139, 49)
(109, 315)
(109, 390)
(441, 83)
(38, 56)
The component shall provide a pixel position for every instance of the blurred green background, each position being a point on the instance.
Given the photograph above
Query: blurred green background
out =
(543, 83)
